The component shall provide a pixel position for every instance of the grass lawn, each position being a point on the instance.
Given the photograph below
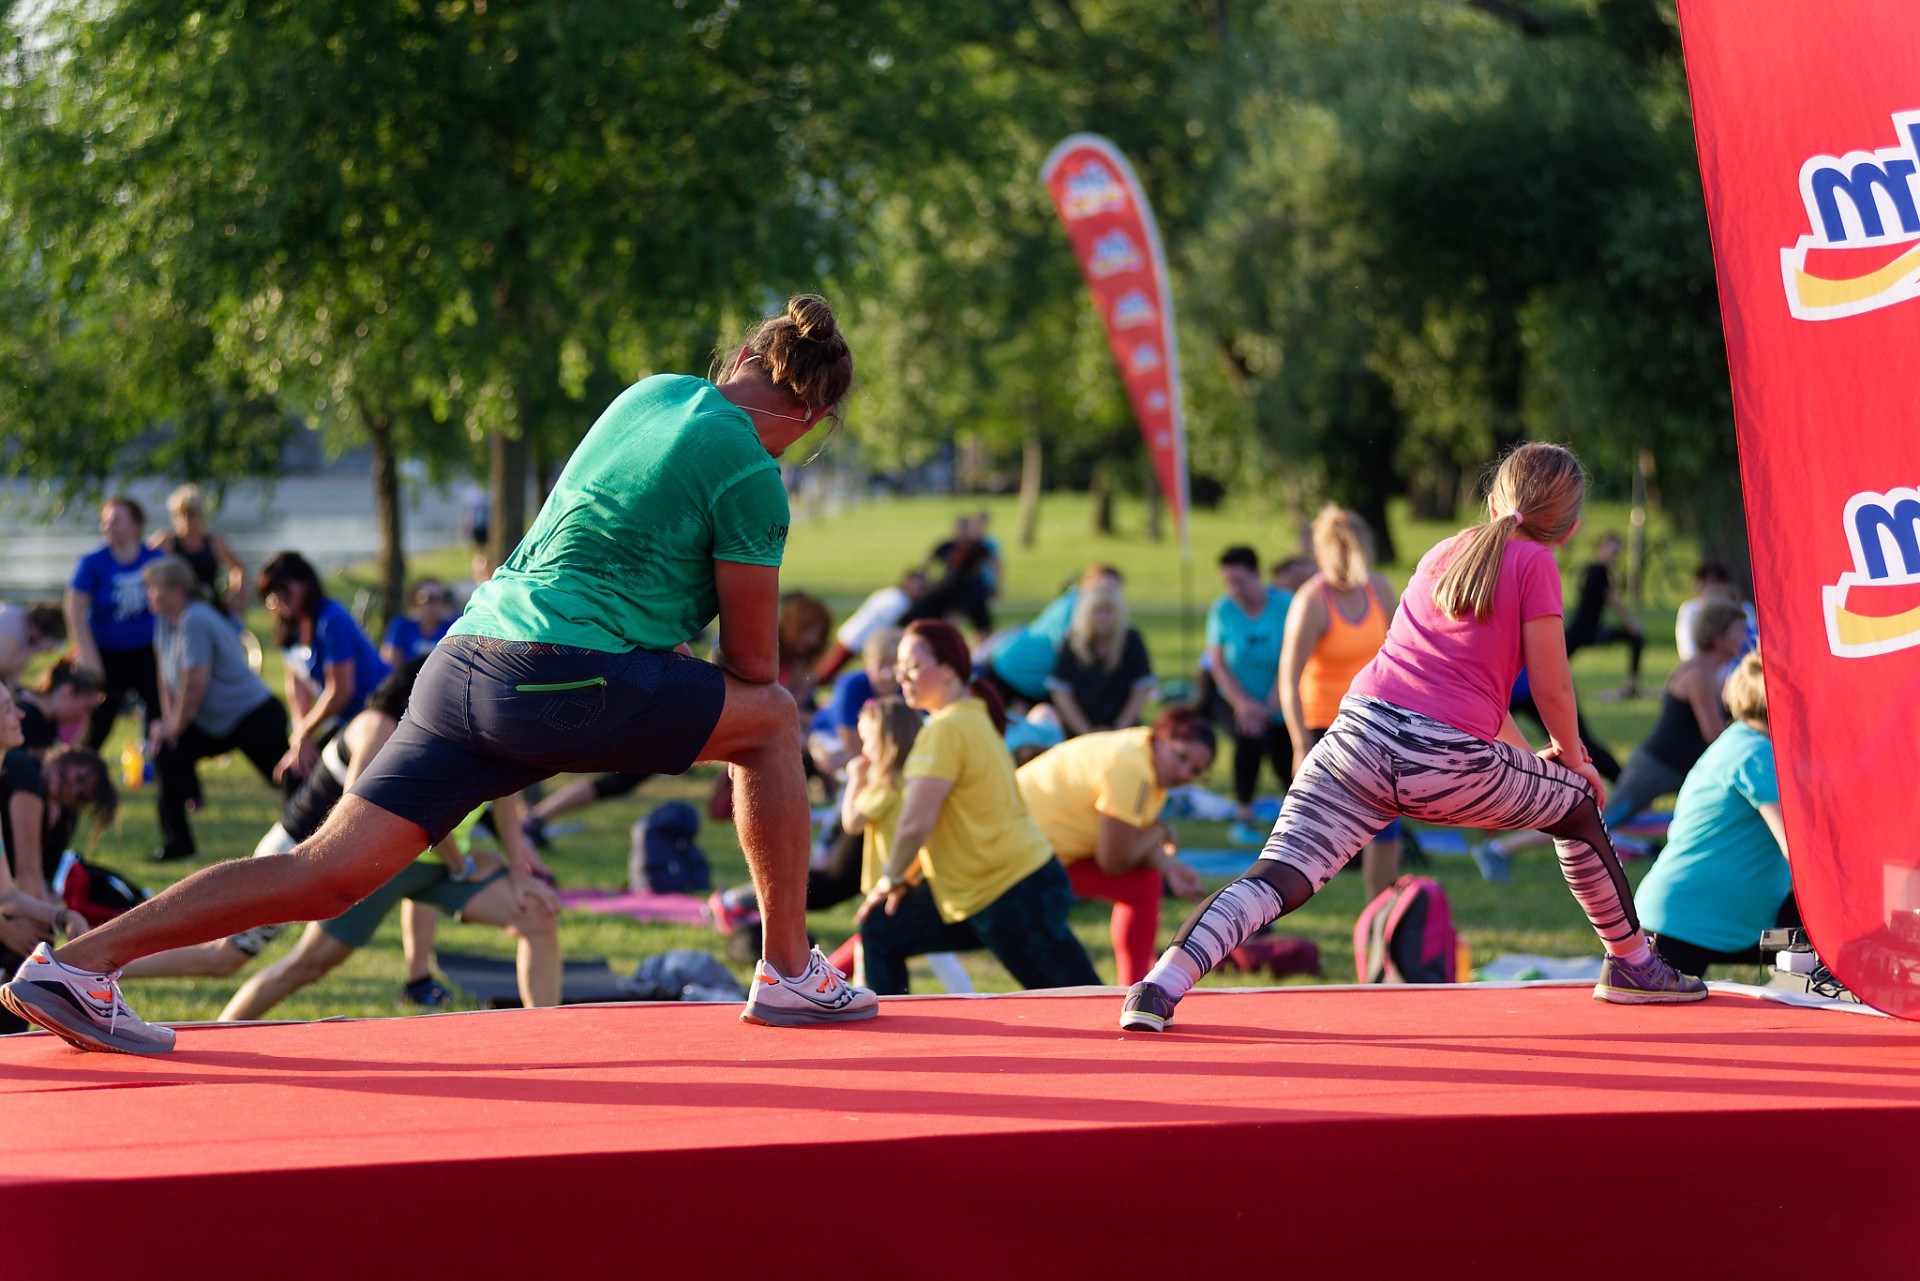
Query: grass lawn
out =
(842, 556)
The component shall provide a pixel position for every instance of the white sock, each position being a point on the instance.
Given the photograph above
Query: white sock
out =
(1639, 954)
(1170, 976)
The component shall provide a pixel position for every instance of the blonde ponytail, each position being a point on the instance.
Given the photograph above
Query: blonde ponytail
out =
(1538, 491)
(1468, 584)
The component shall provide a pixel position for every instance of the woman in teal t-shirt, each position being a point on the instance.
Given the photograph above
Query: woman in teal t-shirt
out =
(1245, 629)
(1723, 876)
(572, 658)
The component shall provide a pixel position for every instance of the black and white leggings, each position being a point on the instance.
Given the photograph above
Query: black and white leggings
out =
(1378, 761)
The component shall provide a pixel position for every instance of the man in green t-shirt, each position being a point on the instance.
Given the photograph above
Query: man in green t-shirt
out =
(572, 658)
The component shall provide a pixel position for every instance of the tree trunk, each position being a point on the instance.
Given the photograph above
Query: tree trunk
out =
(1031, 468)
(1102, 496)
(507, 452)
(543, 478)
(387, 510)
(1433, 489)
(1373, 510)
(507, 487)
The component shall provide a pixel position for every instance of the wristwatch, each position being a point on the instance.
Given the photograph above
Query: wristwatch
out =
(885, 886)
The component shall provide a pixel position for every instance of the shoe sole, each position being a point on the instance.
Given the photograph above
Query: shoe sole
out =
(1614, 996)
(805, 1018)
(1140, 1021)
(78, 1040)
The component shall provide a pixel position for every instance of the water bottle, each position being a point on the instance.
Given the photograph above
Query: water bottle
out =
(133, 764)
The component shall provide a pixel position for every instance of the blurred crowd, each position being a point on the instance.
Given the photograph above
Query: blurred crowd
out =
(972, 780)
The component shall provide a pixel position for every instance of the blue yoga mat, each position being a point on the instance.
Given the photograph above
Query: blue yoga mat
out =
(1219, 863)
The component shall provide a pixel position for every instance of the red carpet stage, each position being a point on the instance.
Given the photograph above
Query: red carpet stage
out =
(1312, 1132)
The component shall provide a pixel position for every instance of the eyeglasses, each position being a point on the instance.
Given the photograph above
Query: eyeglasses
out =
(908, 672)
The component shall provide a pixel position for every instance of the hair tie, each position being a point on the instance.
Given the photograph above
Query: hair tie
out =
(1518, 519)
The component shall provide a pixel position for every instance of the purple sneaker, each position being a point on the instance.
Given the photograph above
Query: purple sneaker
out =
(1147, 1009)
(1654, 982)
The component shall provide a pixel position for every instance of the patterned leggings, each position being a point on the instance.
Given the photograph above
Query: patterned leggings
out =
(1378, 761)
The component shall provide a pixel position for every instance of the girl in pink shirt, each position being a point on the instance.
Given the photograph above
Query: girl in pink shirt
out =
(1424, 732)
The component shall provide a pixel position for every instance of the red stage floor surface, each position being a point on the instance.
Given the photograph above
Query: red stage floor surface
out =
(1483, 1131)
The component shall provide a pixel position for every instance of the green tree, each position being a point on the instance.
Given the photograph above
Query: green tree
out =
(1444, 227)
(436, 227)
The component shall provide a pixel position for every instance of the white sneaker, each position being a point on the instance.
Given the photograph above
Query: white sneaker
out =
(821, 995)
(80, 1007)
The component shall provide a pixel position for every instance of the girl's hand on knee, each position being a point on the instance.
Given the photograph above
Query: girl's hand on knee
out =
(1577, 760)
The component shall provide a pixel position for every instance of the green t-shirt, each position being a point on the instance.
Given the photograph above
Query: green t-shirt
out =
(672, 478)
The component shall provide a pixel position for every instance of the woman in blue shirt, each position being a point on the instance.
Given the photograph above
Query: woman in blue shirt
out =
(1723, 876)
(1245, 629)
(414, 634)
(331, 666)
(108, 619)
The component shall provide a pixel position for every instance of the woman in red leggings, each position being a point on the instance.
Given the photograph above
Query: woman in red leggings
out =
(1097, 798)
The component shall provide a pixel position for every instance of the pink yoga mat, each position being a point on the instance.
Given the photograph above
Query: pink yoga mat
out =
(641, 905)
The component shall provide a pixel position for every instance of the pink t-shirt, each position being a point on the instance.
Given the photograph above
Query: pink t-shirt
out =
(1457, 670)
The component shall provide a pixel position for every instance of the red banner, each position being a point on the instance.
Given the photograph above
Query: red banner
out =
(1114, 236)
(1808, 120)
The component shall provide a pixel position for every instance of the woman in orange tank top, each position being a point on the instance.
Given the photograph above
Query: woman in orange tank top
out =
(1336, 625)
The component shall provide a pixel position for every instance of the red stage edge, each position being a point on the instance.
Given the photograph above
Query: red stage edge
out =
(1576, 1140)
(1440, 1198)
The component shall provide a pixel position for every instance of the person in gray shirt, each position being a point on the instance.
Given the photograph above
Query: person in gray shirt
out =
(210, 699)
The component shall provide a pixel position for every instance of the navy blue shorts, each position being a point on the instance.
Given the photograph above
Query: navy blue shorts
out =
(489, 717)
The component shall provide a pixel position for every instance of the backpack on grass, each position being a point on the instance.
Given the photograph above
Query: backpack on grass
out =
(98, 893)
(663, 857)
(1406, 935)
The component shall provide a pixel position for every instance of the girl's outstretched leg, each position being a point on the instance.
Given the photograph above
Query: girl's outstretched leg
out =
(1342, 798)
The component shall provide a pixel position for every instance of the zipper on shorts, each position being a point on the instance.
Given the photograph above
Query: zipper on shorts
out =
(563, 685)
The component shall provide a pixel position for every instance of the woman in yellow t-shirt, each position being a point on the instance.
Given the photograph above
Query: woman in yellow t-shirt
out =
(990, 879)
(1097, 799)
(1337, 623)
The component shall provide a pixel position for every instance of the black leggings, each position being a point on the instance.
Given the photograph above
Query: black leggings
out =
(1025, 928)
(123, 672)
(607, 786)
(1607, 634)
(1603, 760)
(1249, 751)
(261, 736)
(839, 880)
(1692, 959)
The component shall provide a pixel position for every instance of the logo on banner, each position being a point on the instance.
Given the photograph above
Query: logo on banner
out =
(1145, 359)
(1132, 310)
(1091, 189)
(1862, 251)
(1875, 608)
(1112, 254)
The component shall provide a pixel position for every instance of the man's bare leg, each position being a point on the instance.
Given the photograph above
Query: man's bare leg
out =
(538, 962)
(759, 736)
(358, 849)
(315, 956)
(203, 960)
(419, 922)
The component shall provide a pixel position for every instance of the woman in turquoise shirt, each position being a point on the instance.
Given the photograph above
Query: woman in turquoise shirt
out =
(1245, 629)
(1723, 875)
